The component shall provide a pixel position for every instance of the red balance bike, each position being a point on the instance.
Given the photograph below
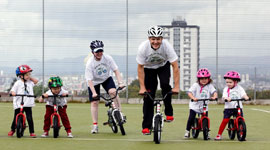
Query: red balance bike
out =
(202, 122)
(55, 117)
(20, 118)
(237, 124)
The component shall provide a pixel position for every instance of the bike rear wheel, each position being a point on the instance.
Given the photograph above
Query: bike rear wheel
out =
(20, 129)
(205, 129)
(231, 130)
(195, 128)
(55, 127)
(157, 129)
(241, 131)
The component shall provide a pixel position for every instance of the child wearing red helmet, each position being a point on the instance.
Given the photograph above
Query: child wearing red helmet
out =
(231, 91)
(202, 89)
(23, 86)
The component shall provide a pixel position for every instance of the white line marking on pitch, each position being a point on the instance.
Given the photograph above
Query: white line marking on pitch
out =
(260, 110)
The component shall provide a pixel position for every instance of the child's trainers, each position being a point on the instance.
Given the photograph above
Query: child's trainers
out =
(146, 131)
(69, 135)
(169, 118)
(10, 133)
(187, 134)
(45, 134)
(33, 135)
(218, 137)
(94, 129)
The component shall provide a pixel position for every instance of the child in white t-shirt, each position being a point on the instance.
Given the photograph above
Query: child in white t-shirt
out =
(55, 84)
(98, 72)
(23, 86)
(203, 89)
(231, 91)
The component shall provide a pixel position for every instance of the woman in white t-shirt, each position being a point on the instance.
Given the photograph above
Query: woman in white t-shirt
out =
(154, 58)
(98, 72)
(203, 89)
(231, 91)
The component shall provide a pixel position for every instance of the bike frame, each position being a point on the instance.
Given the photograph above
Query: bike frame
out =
(203, 115)
(55, 109)
(238, 116)
(21, 108)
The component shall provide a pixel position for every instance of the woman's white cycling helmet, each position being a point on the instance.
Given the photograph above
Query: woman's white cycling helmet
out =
(155, 31)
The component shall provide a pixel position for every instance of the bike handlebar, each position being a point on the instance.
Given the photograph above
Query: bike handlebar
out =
(108, 99)
(23, 95)
(241, 99)
(54, 96)
(149, 95)
(207, 99)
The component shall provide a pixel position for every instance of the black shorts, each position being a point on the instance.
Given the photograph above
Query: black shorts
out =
(231, 112)
(107, 85)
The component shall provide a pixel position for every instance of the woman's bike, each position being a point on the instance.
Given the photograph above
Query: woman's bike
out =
(158, 120)
(237, 124)
(202, 122)
(20, 117)
(115, 116)
(55, 117)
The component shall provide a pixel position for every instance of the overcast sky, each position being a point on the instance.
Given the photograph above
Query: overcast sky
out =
(70, 25)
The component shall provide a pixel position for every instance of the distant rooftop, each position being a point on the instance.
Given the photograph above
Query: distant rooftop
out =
(178, 22)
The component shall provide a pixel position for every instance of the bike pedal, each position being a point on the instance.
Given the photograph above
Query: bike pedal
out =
(105, 123)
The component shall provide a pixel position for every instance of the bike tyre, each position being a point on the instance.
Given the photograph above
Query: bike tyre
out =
(195, 128)
(157, 129)
(114, 127)
(55, 127)
(19, 130)
(242, 130)
(231, 130)
(205, 128)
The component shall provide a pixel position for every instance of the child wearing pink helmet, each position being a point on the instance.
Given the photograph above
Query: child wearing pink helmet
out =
(231, 91)
(202, 89)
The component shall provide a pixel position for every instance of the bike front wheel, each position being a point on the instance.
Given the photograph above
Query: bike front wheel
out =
(205, 129)
(231, 129)
(195, 128)
(157, 129)
(56, 128)
(20, 129)
(242, 130)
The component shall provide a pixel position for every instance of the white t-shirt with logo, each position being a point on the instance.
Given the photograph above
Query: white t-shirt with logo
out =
(60, 101)
(99, 71)
(235, 93)
(154, 59)
(19, 88)
(200, 93)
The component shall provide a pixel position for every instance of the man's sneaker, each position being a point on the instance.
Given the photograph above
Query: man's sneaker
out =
(45, 134)
(10, 133)
(69, 135)
(187, 134)
(94, 129)
(33, 135)
(146, 131)
(218, 137)
(169, 118)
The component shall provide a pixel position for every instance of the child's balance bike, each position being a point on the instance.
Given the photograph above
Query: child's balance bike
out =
(55, 117)
(237, 124)
(202, 122)
(20, 118)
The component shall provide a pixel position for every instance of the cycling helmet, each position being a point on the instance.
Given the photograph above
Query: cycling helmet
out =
(96, 46)
(23, 69)
(55, 82)
(203, 73)
(155, 31)
(232, 75)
